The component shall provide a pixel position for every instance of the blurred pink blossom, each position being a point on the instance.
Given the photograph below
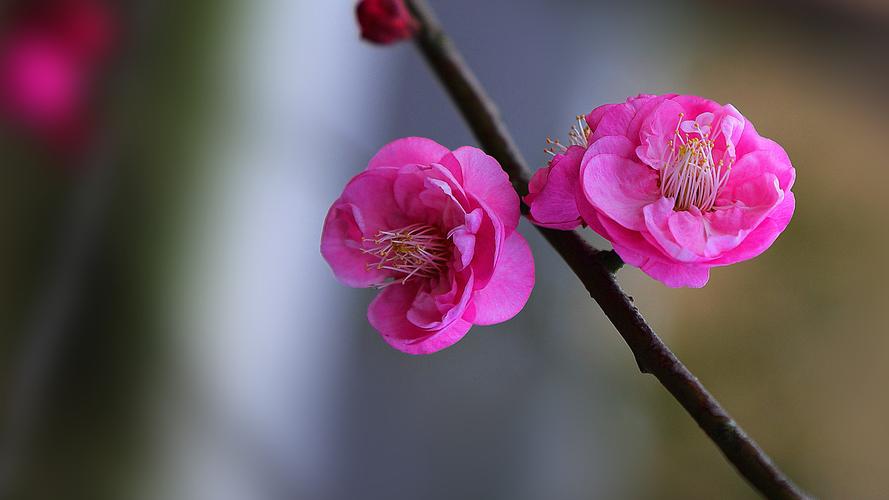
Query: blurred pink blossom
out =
(435, 230)
(678, 184)
(51, 54)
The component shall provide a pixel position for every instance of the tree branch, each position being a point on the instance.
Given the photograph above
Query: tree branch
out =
(595, 269)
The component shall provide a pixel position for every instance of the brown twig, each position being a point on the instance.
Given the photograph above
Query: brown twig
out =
(595, 269)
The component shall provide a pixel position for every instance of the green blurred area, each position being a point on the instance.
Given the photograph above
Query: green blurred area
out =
(90, 437)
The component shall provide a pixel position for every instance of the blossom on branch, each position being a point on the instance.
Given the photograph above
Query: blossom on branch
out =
(435, 230)
(385, 21)
(678, 184)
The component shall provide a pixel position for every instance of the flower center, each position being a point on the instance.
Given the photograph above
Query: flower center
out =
(689, 174)
(417, 250)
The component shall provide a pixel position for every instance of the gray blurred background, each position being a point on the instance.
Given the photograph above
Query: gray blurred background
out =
(214, 357)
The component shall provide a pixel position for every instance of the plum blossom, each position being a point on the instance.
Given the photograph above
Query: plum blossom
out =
(435, 230)
(385, 21)
(678, 184)
(51, 52)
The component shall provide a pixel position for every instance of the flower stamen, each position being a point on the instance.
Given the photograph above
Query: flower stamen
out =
(417, 250)
(689, 173)
(578, 135)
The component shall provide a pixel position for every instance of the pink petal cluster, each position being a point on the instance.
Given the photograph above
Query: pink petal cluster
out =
(436, 230)
(678, 184)
(50, 54)
(385, 21)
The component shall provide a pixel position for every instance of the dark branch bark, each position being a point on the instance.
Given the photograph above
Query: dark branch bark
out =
(595, 269)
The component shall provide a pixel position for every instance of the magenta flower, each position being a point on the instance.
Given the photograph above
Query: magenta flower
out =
(385, 21)
(41, 86)
(51, 54)
(435, 230)
(678, 184)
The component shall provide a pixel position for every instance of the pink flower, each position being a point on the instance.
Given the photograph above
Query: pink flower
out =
(435, 230)
(678, 184)
(385, 21)
(50, 51)
(41, 84)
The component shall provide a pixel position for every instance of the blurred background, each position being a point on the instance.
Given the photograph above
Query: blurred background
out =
(168, 329)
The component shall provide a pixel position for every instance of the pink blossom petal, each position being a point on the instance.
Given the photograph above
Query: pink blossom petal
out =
(755, 166)
(617, 145)
(407, 188)
(690, 236)
(553, 200)
(409, 150)
(488, 244)
(366, 206)
(755, 198)
(693, 237)
(619, 188)
(731, 129)
(618, 119)
(388, 315)
(486, 180)
(726, 118)
(464, 242)
(611, 144)
(657, 223)
(438, 307)
(463, 237)
(341, 243)
(538, 184)
(763, 236)
(435, 342)
(510, 286)
(678, 275)
(644, 108)
(713, 112)
(589, 214)
(687, 229)
(750, 141)
(626, 241)
(613, 120)
(701, 125)
(657, 131)
(427, 193)
(595, 116)
(672, 274)
(373, 195)
(694, 106)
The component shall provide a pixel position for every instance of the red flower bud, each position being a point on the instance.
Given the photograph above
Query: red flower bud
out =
(385, 21)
